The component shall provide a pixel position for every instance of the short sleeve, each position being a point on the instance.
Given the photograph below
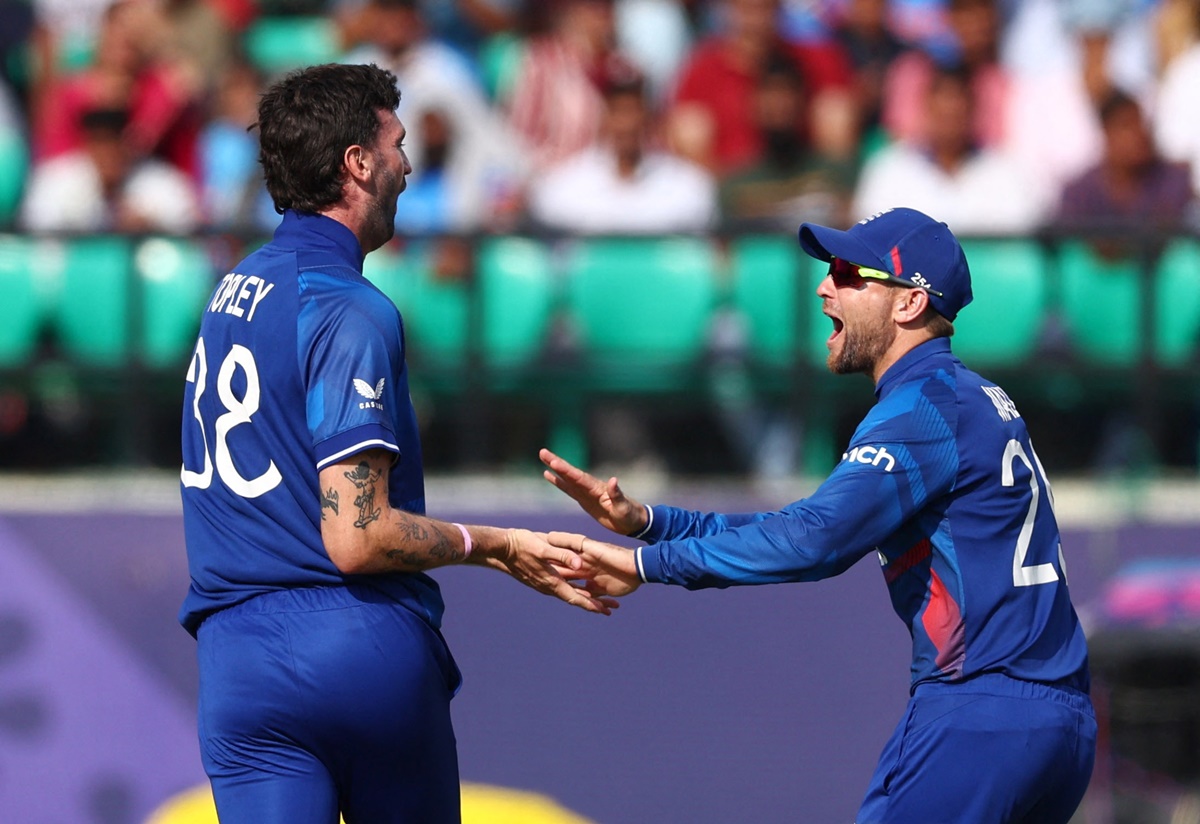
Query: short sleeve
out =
(352, 358)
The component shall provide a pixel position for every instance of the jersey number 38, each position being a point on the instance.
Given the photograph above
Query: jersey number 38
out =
(238, 411)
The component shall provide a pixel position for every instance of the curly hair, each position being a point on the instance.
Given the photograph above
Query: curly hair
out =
(308, 119)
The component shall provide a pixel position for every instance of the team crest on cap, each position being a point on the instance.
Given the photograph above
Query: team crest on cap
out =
(372, 394)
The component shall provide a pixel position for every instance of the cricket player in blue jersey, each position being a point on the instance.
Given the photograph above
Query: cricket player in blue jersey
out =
(324, 681)
(941, 483)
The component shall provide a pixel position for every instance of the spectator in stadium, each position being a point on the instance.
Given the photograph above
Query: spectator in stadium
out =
(233, 193)
(134, 69)
(326, 543)
(790, 183)
(106, 187)
(711, 119)
(940, 481)
(1132, 187)
(199, 37)
(481, 170)
(1176, 116)
(556, 101)
(976, 28)
(947, 172)
(866, 36)
(622, 184)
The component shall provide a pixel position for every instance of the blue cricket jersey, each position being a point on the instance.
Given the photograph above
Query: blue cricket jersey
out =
(299, 364)
(940, 480)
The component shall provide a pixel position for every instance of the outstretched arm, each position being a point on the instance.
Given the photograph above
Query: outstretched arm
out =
(603, 500)
(365, 535)
(616, 511)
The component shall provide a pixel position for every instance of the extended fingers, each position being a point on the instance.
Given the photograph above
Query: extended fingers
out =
(579, 597)
(567, 470)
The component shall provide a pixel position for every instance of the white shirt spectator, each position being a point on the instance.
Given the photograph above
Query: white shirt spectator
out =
(1177, 115)
(986, 194)
(484, 164)
(65, 194)
(585, 194)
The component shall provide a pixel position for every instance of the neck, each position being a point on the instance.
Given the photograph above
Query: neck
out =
(949, 159)
(906, 340)
(353, 219)
(627, 163)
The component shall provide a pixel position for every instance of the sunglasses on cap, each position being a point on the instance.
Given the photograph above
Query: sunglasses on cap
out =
(845, 273)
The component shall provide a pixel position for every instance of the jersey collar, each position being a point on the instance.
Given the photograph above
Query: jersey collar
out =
(307, 231)
(908, 362)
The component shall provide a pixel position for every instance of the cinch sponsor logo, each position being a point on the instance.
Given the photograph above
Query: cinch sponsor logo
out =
(873, 455)
(371, 393)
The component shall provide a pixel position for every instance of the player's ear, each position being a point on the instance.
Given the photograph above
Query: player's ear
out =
(910, 304)
(357, 161)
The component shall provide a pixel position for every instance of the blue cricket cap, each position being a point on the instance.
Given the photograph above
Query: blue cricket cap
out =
(908, 244)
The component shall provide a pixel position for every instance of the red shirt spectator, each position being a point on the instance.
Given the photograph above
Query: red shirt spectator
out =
(712, 118)
(160, 95)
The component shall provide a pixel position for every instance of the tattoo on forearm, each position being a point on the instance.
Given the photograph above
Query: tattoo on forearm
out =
(364, 479)
(329, 500)
(441, 546)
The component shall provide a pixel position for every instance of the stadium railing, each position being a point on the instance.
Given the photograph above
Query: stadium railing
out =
(1102, 325)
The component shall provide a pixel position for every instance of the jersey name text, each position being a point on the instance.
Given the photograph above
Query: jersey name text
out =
(235, 290)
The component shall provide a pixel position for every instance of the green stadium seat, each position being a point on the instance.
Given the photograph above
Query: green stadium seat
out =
(279, 44)
(500, 59)
(642, 308)
(1101, 304)
(92, 311)
(766, 286)
(176, 277)
(435, 310)
(390, 270)
(516, 283)
(14, 163)
(1008, 279)
(22, 307)
(1177, 304)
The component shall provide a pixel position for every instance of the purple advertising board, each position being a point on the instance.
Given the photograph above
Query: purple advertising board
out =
(758, 704)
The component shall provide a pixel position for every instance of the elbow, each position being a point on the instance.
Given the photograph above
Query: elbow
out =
(349, 555)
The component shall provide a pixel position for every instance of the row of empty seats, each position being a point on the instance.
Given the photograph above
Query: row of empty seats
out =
(633, 309)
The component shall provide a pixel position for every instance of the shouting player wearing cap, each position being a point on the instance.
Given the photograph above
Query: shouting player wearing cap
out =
(999, 727)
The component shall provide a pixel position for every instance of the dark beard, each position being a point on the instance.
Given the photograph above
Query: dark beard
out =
(382, 218)
(861, 350)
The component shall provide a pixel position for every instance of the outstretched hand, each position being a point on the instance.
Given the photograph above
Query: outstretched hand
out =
(608, 569)
(604, 501)
(534, 561)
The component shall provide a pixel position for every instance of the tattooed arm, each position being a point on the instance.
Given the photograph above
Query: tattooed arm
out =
(364, 535)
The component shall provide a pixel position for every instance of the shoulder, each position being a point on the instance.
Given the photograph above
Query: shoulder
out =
(347, 315)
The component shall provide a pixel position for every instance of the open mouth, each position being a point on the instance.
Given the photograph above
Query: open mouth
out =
(838, 326)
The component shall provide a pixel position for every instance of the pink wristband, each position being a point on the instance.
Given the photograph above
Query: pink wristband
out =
(467, 544)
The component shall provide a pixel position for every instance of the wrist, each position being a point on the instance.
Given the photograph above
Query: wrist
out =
(647, 522)
(488, 543)
(468, 543)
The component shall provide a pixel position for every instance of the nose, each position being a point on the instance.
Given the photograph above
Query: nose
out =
(825, 288)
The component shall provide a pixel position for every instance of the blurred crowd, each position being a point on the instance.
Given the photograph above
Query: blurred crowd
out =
(620, 116)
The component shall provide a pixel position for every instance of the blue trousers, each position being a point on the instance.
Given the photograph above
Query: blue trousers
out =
(992, 750)
(315, 701)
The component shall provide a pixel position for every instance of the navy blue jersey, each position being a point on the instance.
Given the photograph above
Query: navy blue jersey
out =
(299, 364)
(941, 483)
